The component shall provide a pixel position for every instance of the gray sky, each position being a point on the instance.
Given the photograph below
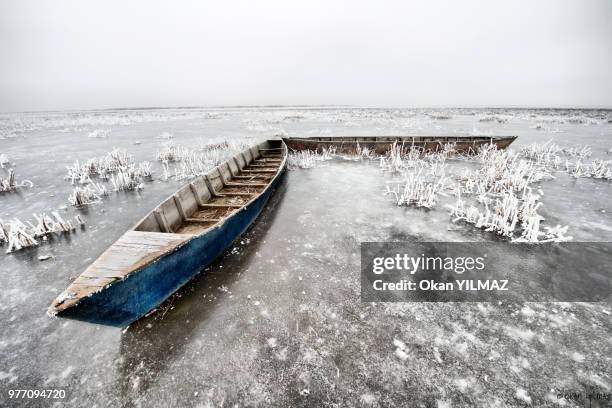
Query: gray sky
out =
(97, 54)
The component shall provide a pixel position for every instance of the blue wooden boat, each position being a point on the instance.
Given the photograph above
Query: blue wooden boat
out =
(175, 241)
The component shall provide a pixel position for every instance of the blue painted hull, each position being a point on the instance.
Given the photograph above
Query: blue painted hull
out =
(127, 300)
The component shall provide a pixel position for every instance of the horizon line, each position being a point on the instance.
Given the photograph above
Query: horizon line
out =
(310, 106)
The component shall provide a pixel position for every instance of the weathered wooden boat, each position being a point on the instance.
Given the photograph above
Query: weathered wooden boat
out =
(175, 241)
(382, 144)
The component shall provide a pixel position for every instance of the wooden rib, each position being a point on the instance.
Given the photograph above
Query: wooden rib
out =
(237, 167)
(179, 206)
(195, 193)
(260, 171)
(161, 220)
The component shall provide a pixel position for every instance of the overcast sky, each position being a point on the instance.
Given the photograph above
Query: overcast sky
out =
(99, 54)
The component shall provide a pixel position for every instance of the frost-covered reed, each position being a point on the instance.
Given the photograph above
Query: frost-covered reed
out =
(401, 158)
(117, 166)
(361, 153)
(191, 163)
(552, 157)
(101, 167)
(512, 217)
(127, 179)
(171, 152)
(88, 194)
(10, 183)
(598, 169)
(502, 186)
(20, 236)
(307, 159)
(414, 190)
(497, 196)
(303, 159)
(99, 133)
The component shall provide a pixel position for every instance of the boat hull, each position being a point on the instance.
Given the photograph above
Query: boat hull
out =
(125, 301)
(382, 144)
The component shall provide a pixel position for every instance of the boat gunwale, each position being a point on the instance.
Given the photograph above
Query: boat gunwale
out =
(391, 139)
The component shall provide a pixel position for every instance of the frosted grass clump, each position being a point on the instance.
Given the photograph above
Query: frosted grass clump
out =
(512, 217)
(193, 163)
(401, 159)
(544, 154)
(502, 186)
(440, 116)
(549, 154)
(364, 153)
(327, 153)
(10, 183)
(102, 167)
(361, 153)
(16, 234)
(143, 170)
(127, 179)
(99, 133)
(307, 159)
(19, 236)
(303, 159)
(171, 152)
(581, 152)
(86, 195)
(116, 159)
(598, 169)
(494, 118)
(56, 224)
(503, 171)
(414, 190)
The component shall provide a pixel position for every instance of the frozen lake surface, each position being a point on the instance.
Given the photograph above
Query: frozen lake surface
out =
(279, 320)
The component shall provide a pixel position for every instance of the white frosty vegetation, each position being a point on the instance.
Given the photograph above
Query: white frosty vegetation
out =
(88, 194)
(422, 176)
(99, 133)
(554, 157)
(307, 159)
(416, 191)
(191, 163)
(101, 167)
(497, 196)
(19, 235)
(117, 166)
(10, 183)
(502, 186)
(171, 152)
